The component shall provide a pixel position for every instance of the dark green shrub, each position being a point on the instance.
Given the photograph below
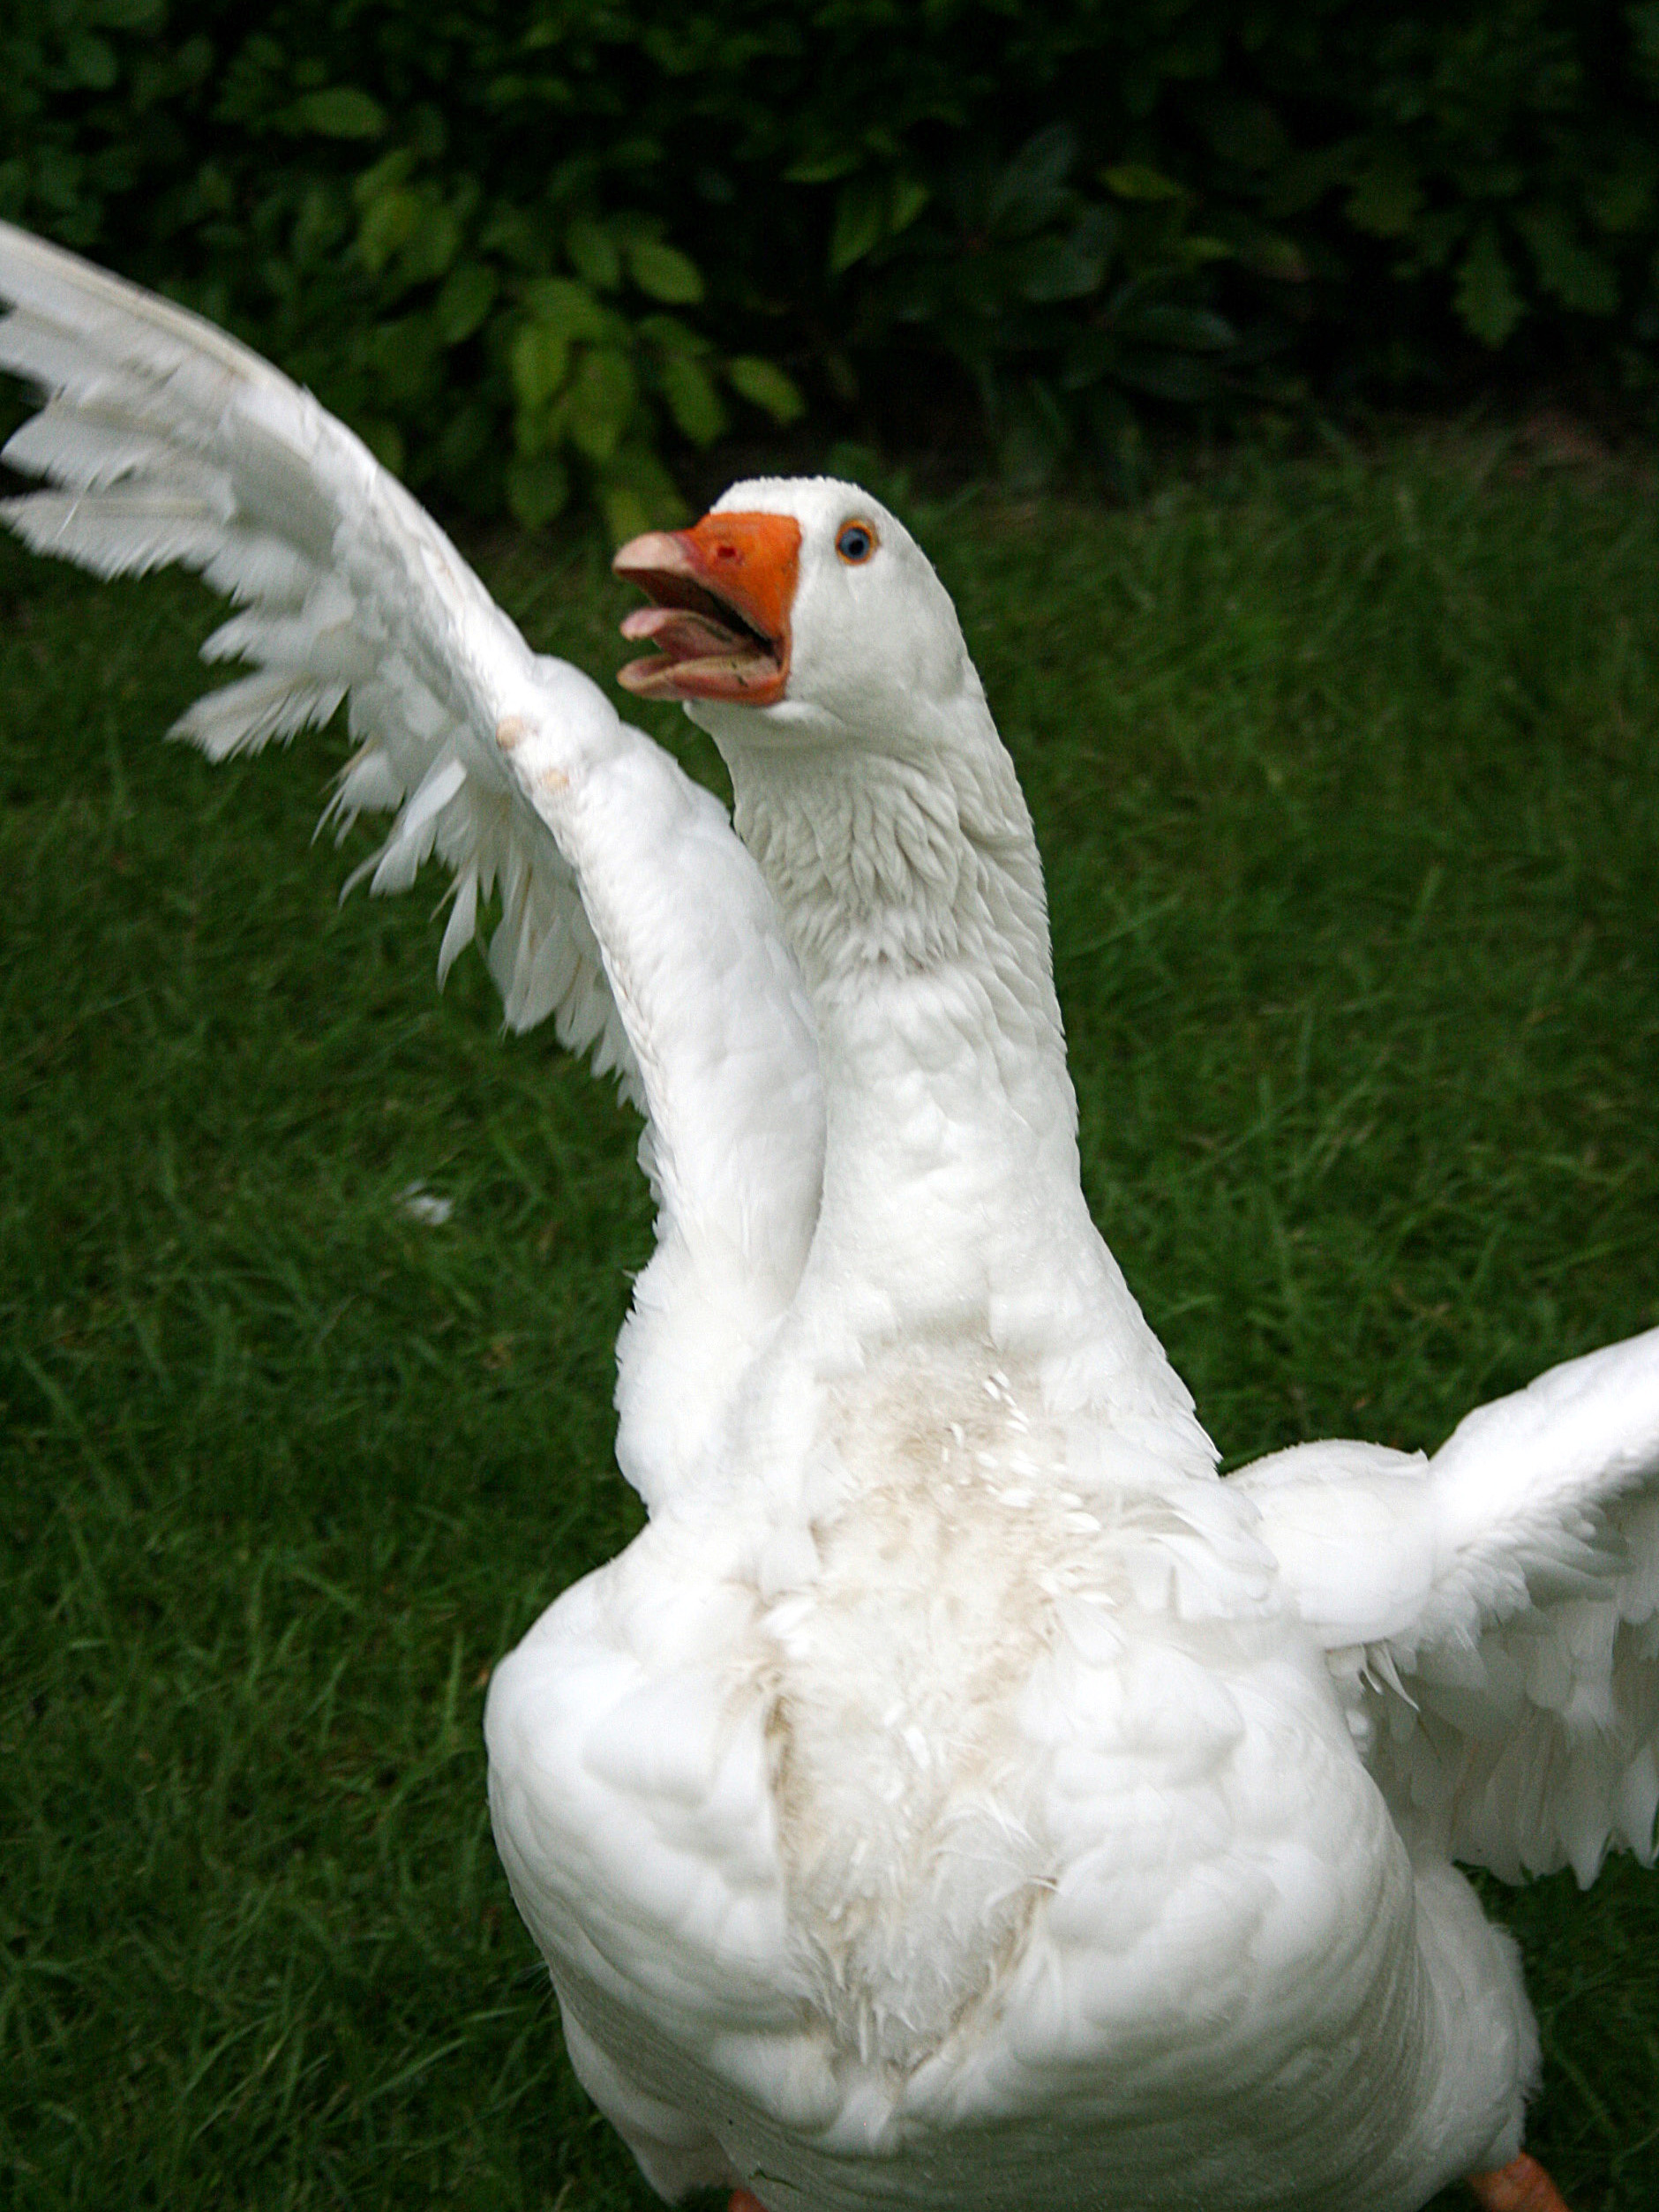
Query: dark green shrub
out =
(1060, 303)
(536, 249)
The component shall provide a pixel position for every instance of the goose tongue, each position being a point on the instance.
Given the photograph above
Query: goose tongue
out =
(696, 656)
(723, 591)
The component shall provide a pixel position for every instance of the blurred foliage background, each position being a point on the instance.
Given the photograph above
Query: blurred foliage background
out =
(547, 250)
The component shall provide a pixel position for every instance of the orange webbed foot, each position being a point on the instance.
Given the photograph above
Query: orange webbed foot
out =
(741, 2201)
(1522, 2185)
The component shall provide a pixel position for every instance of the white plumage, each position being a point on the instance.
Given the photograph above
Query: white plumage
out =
(956, 1796)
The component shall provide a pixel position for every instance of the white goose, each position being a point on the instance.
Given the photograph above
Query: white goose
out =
(956, 1796)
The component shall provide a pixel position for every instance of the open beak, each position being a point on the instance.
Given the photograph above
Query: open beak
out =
(721, 596)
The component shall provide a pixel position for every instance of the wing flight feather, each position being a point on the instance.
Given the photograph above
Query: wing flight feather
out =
(630, 914)
(1493, 1612)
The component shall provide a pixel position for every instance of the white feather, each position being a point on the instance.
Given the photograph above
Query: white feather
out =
(1504, 1592)
(244, 717)
(368, 785)
(126, 531)
(458, 933)
(86, 448)
(169, 442)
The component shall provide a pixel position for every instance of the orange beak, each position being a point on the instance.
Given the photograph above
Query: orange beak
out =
(721, 594)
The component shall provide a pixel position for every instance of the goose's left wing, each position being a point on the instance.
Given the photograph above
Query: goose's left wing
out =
(1493, 1612)
(631, 913)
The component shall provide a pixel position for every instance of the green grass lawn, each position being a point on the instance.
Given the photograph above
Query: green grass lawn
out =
(1347, 775)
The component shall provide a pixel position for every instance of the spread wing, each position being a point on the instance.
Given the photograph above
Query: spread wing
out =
(630, 913)
(1494, 1612)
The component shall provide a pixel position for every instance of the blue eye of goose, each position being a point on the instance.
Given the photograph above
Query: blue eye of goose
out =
(855, 542)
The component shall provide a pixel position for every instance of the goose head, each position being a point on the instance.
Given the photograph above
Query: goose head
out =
(798, 609)
(801, 625)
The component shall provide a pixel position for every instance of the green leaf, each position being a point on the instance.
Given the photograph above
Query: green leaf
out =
(1435, 238)
(1028, 192)
(432, 244)
(628, 226)
(1071, 268)
(1643, 22)
(860, 221)
(692, 399)
(669, 335)
(508, 234)
(341, 111)
(908, 198)
(1183, 377)
(538, 358)
(826, 168)
(538, 488)
(1183, 329)
(405, 355)
(395, 167)
(1301, 180)
(1093, 355)
(389, 224)
(594, 253)
(1622, 200)
(1246, 131)
(1573, 273)
(1487, 300)
(911, 294)
(601, 400)
(132, 15)
(321, 224)
(663, 273)
(1135, 180)
(1270, 254)
(91, 61)
(566, 308)
(465, 444)
(1264, 252)
(764, 384)
(214, 189)
(625, 513)
(982, 283)
(635, 493)
(1387, 198)
(465, 302)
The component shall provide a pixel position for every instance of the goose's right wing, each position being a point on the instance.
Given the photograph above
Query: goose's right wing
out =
(631, 914)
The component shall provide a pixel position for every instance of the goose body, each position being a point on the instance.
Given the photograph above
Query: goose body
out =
(957, 1794)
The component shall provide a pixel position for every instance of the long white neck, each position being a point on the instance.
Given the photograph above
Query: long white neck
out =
(912, 893)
